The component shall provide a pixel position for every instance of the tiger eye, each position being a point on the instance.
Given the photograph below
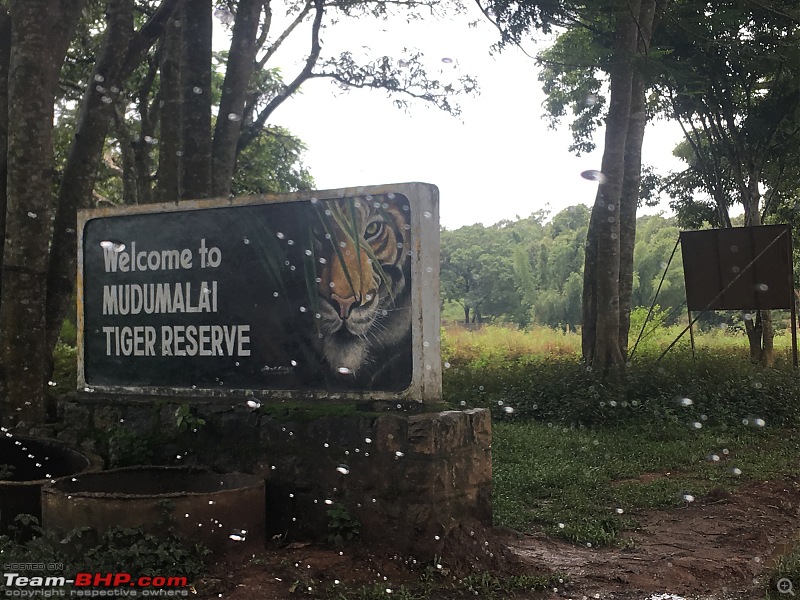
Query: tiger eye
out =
(373, 229)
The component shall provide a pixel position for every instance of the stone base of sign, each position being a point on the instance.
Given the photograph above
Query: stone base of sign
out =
(386, 476)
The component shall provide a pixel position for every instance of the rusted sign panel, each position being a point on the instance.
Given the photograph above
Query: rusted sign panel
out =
(314, 294)
(742, 268)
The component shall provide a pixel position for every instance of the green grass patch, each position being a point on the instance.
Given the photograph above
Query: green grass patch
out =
(786, 569)
(533, 383)
(587, 485)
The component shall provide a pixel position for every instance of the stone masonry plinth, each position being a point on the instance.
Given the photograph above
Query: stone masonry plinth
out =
(406, 479)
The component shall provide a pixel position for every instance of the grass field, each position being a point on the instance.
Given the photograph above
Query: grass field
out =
(569, 449)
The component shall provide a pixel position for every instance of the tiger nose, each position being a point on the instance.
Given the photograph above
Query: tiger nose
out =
(345, 304)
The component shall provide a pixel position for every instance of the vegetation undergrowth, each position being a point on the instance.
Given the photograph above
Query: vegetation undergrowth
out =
(576, 456)
(785, 568)
(130, 550)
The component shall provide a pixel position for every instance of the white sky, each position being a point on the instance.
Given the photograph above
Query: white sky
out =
(496, 161)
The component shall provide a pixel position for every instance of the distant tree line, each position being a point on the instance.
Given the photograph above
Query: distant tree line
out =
(530, 271)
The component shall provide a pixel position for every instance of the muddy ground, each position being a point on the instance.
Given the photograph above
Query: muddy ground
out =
(717, 547)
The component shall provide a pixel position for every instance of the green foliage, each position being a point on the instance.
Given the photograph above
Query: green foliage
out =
(272, 164)
(546, 381)
(65, 368)
(786, 567)
(530, 271)
(134, 550)
(127, 447)
(187, 420)
(129, 550)
(343, 527)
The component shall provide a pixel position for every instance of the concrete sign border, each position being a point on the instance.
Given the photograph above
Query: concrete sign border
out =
(426, 377)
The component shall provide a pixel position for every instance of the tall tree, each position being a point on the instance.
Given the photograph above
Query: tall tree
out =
(132, 70)
(732, 81)
(609, 246)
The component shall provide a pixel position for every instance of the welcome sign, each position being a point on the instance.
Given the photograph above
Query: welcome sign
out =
(315, 294)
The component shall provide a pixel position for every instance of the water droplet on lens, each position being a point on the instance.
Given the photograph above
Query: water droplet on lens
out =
(343, 469)
(427, 214)
(594, 175)
(688, 498)
(344, 370)
(234, 117)
(253, 404)
(686, 401)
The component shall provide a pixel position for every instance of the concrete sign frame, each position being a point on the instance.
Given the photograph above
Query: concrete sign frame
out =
(219, 333)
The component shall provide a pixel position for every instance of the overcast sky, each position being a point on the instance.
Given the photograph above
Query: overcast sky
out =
(498, 160)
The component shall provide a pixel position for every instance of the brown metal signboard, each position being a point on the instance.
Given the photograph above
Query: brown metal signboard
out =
(742, 268)
(314, 294)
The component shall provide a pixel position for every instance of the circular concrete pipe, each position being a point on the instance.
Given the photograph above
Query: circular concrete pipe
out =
(223, 511)
(26, 464)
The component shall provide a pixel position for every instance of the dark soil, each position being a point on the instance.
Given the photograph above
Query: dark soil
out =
(718, 547)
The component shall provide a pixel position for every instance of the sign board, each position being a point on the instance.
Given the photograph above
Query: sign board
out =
(326, 294)
(740, 268)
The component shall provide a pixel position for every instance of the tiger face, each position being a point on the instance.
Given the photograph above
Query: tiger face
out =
(363, 287)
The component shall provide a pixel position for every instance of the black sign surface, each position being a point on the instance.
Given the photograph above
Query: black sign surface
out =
(312, 294)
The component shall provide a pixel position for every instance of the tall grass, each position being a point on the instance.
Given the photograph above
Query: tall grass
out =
(539, 375)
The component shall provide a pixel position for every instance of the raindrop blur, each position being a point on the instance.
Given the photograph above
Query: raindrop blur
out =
(759, 422)
(343, 469)
(697, 425)
(252, 404)
(594, 175)
(762, 287)
(344, 370)
(446, 60)
(399, 454)
(197, 90)
(736, 471)
(688, 498)
(32, 215)
(234, 117)
(686, 402)
(508, 410)
(427, 214)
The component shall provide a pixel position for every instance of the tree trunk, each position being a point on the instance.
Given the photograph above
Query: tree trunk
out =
(36, 55)
(761, 334)
(96, 114)
(169, 148)
(632, 176)
(85, 153)
(606, 352)
(195, 89)
(629, 200)
(5, 57)
(241, 62)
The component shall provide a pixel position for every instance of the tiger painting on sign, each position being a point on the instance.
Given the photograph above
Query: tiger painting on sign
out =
(362, 257)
